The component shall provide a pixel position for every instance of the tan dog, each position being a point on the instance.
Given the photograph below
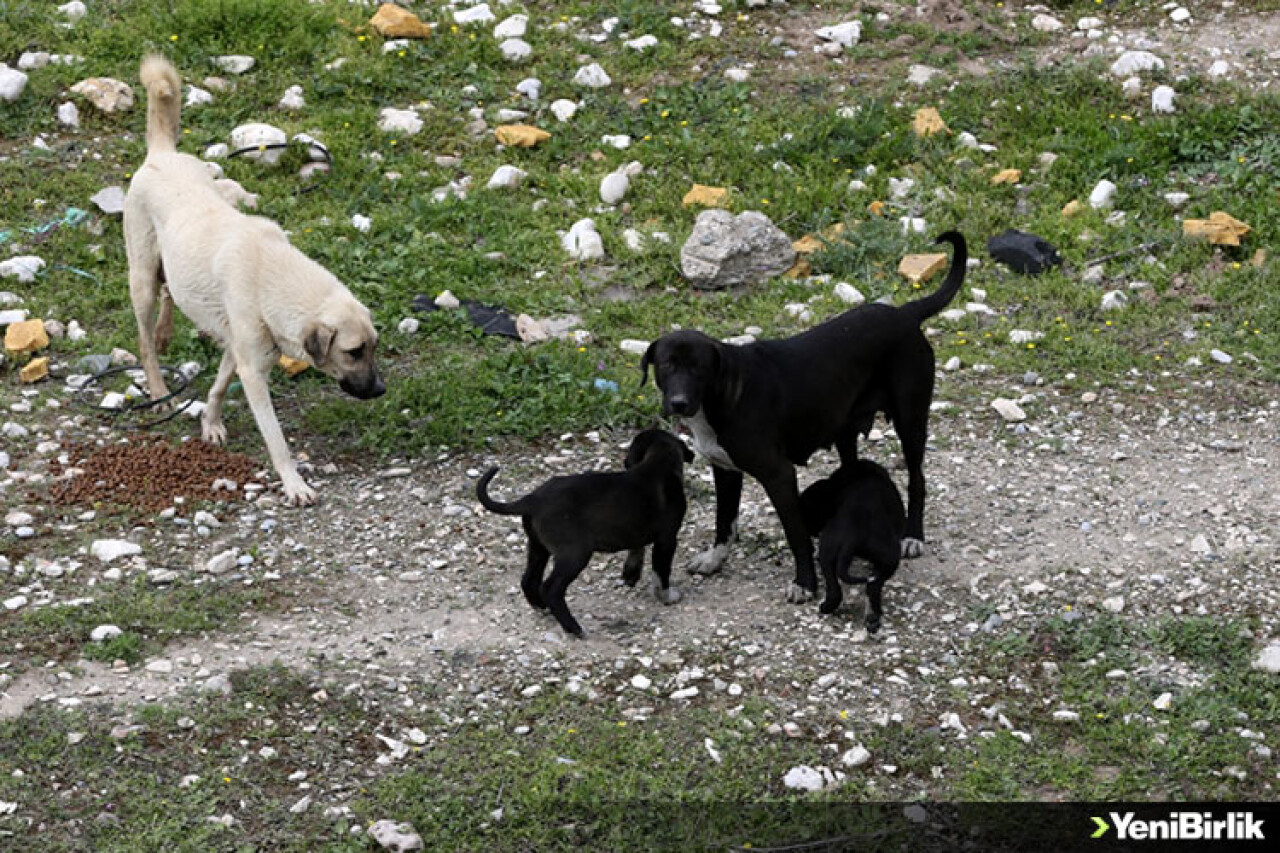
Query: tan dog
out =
(238, 279)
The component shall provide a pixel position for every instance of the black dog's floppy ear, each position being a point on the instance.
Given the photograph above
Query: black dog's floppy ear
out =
(318, 342)
(645, 361)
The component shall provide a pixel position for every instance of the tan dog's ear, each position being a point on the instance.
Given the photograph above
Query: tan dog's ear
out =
(317, 343)
(645, 361)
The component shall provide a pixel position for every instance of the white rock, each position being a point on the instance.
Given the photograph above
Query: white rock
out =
(507, 178)
(1220, 68)
(478, 14)
(1180, 15)
(845, 35)
(592, 76)
(641, 682)
(920, 75)
(256, 134)
(512, 28)
(68, 115)
(361, 223)
(633, 346)
(582, 242)
(516, 50)
(409, 326)
(110, 200)
(1162, 99)
(292, 99)
(1268, 660)
(913, 225)
(1046, 23)
(1163, 702)
(12, 83)
(1024, 336)
(804, 778)
(1135, 62)
(563, 108)
(1220, 357)
(1176, 200)
(621, 141)
(1200, 545)
(530, 87)
(642, 43)
(1008, 409)
(105, 632)
(848, 294)
(1065, 716)
(107, 550)
(223, 562)
(737, 75)
(1086, 24)
(447, 301)
(613, 187)
(1132, 88)
(1114, 300)
(301, 805)
(392, 120)
(397, 837)
(160, 665)
(856, 757)
(1100, 197)
(74, 11)
(18, 519)
(24, 268)
(197, 97)
(235, 63)
(17, 602)
(217, 151)
(1115, 603)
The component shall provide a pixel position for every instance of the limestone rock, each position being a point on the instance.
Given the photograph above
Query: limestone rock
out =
(725, 251)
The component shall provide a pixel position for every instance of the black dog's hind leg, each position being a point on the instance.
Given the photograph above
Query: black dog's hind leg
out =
(531, 582)
(912, 424)
(883, 567)
(566, 568)
(831, 582)
(728, 498)
(633, 567)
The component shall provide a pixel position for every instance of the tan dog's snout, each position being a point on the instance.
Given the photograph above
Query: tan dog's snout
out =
(351, 362)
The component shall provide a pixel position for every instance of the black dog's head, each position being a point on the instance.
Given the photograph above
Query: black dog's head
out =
(686, 365)
(660, 445)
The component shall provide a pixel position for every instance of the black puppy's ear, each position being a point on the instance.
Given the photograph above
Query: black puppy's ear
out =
(318, 342)
(645, 361)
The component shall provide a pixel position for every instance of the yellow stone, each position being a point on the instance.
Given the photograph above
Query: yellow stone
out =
(928, 122)
(800, 269)
(1259, 258)
(918, 268)
(700, 194)
(1071, 208)
(34, 370)
(293, 366)
(1220, 229)
(520, 135)
(1006, 176)
(27, 336)
(396, 23)
(810, 243)
(876, 208)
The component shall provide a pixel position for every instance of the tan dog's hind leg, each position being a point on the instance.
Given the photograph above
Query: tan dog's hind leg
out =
(253, 377)
(164, 323)
(212, 430)
(144, 288)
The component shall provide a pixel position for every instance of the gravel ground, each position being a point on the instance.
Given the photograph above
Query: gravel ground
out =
(1140, 503)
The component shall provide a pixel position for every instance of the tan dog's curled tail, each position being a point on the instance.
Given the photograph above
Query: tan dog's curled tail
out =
(164, 104)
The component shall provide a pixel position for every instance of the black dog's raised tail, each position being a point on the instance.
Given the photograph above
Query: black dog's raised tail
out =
(482, 492)
(940, 298)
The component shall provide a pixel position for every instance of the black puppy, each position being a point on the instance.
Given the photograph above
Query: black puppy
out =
(572, 517)
(763, 408)
(856, 512)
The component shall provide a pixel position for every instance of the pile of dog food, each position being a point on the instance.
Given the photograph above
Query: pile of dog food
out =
(147, 473)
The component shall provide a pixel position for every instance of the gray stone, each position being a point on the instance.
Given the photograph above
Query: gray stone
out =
(725, 251)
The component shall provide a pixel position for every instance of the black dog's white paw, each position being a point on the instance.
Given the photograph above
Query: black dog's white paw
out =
(670, 595)
(710, 561)
(797, 594)
(912, 548)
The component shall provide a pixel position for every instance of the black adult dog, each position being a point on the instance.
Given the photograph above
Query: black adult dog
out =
(856, 512)
(572, 517)
(765, 407)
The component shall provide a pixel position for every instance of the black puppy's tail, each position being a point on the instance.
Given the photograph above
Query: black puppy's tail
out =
(922, 309)
(482, 492)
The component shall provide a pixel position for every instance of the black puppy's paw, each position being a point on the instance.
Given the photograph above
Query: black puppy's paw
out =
(830, 605)
(873, 623)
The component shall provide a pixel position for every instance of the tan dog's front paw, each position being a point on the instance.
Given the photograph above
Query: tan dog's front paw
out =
(298, 493)
(214, 433)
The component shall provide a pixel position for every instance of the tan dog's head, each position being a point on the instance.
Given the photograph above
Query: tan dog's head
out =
(341, 343)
